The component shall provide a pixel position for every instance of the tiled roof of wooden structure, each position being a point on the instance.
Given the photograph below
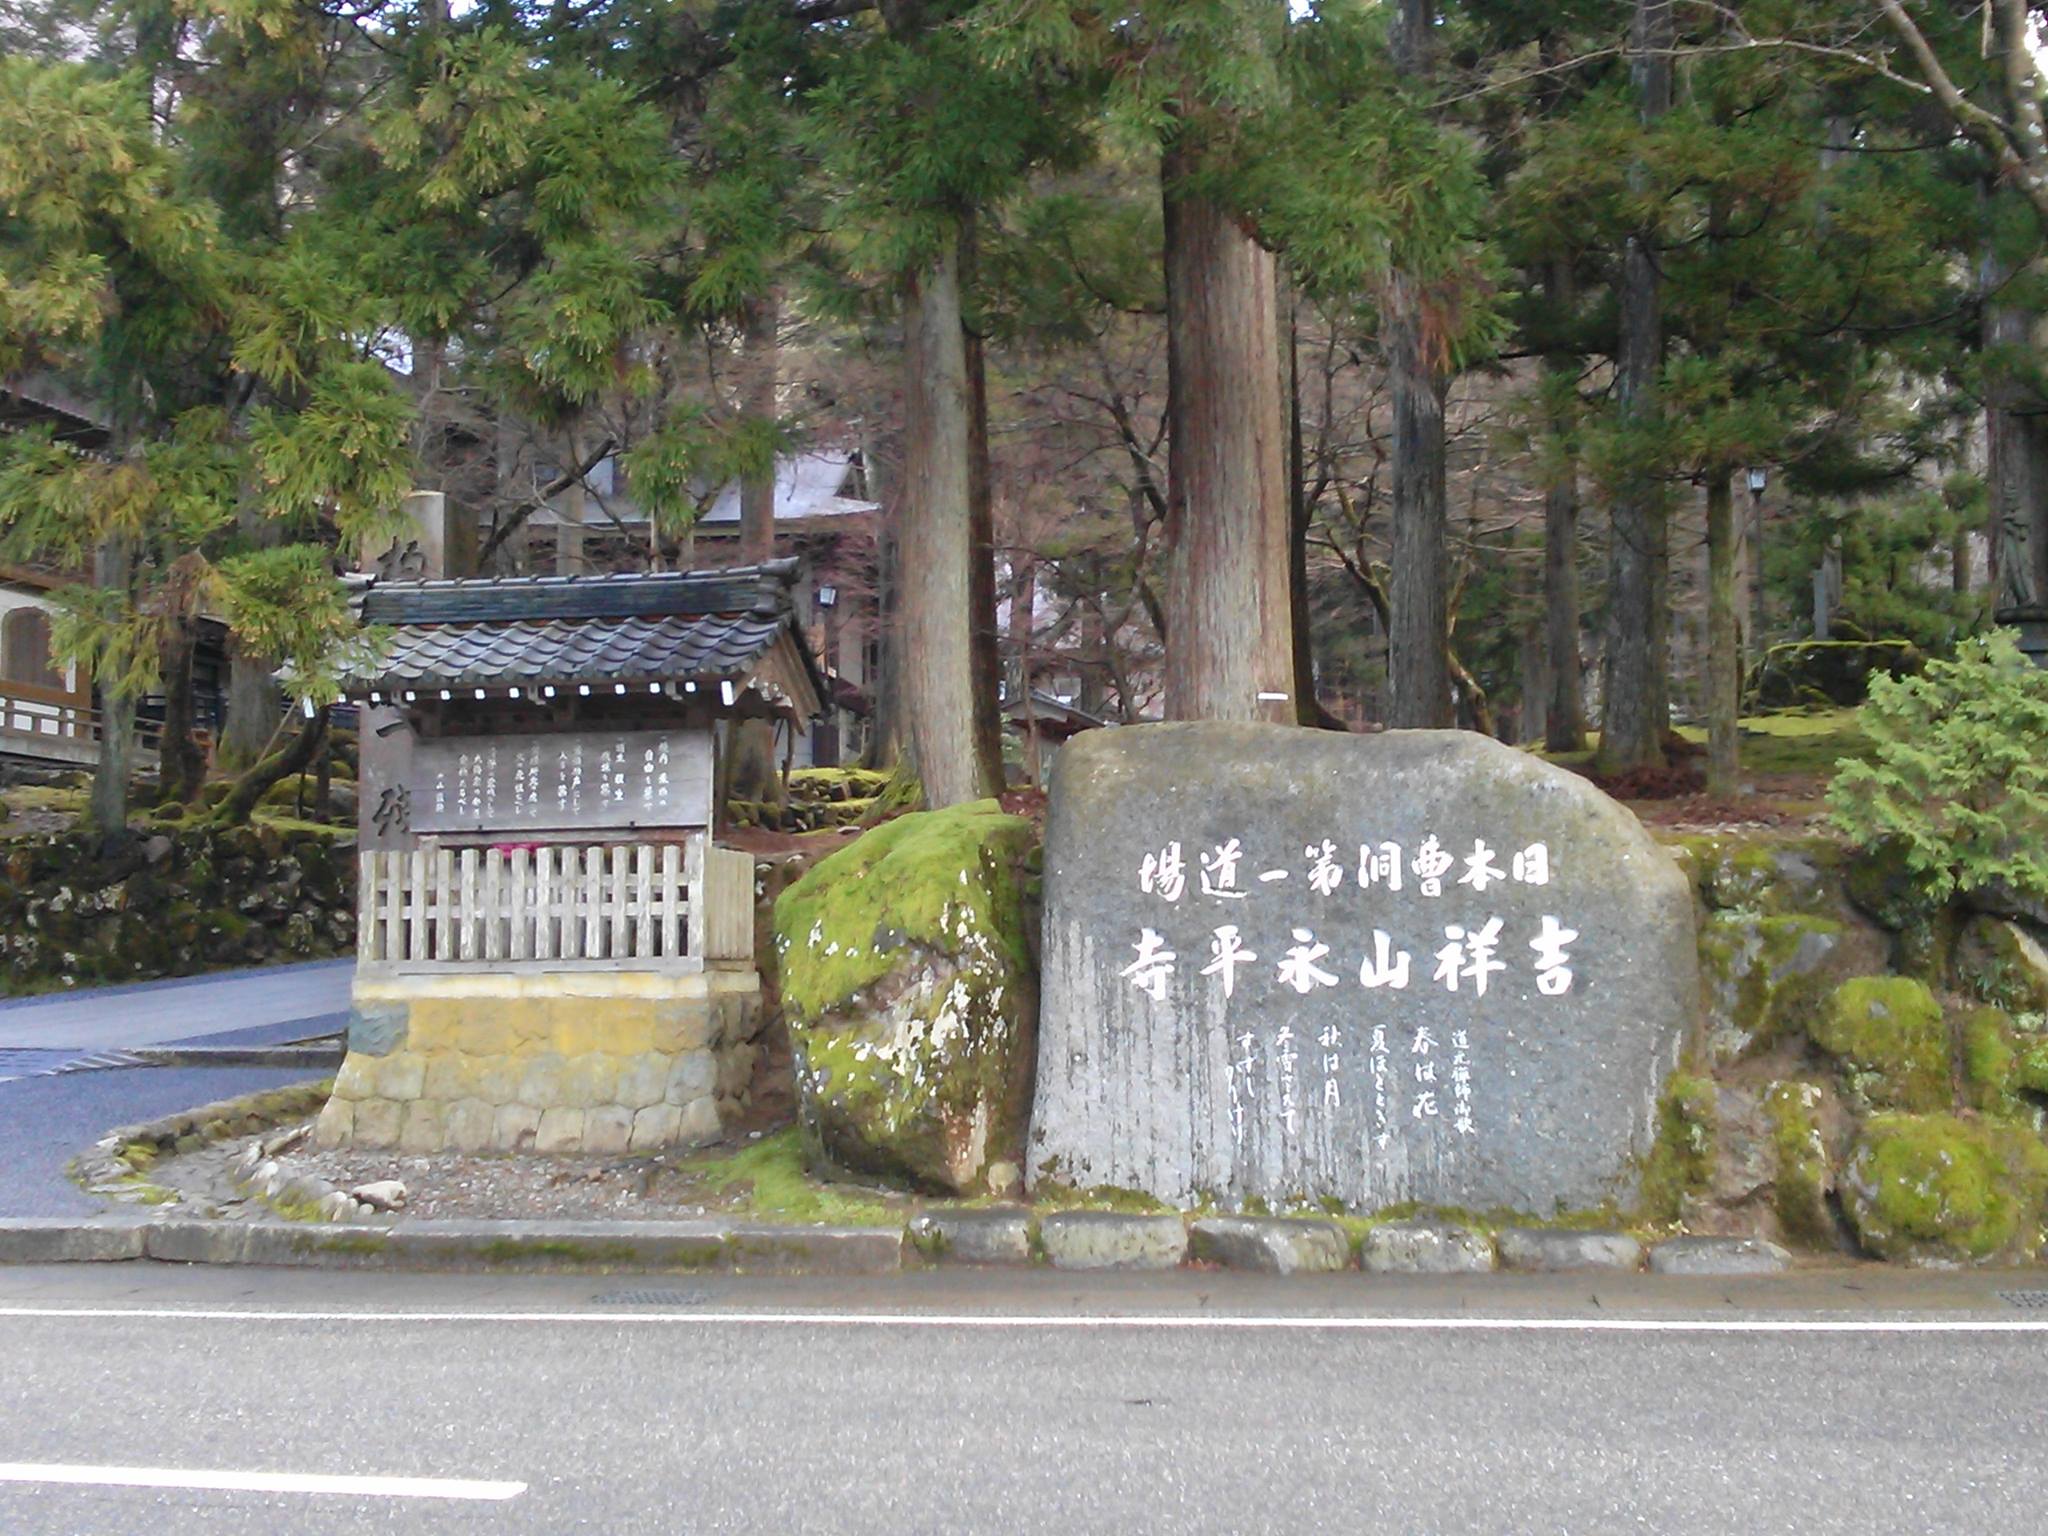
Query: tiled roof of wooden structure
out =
(638, 630)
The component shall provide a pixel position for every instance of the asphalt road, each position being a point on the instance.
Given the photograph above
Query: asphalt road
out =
(240, 1003)
(1029, 1402)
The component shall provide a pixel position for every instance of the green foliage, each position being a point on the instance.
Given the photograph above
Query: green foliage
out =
(1354, 178)
(1895, 556)
(88, 208)
(1958, 773)
(285, 603)
(677, 469)
(916, 134)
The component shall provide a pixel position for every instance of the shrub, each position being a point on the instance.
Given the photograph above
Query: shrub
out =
(1957, 776)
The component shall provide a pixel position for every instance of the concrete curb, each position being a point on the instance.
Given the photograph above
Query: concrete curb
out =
(61, 1240)
(1067, 1240)
(323, 1060)
(664, 1246)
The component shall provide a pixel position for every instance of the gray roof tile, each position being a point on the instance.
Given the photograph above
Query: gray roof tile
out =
(663, 628)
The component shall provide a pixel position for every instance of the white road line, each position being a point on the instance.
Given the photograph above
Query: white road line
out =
(259, 1482)
(1213, 1323)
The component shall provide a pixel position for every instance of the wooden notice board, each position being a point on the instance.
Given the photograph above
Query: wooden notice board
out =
(571, 782)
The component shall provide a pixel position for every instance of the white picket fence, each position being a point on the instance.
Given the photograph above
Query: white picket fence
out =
(637, 906)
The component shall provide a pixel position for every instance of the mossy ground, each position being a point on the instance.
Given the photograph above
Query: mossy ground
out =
(769, 1179)
(1795, 741)
(33, 807)
(1789, 743)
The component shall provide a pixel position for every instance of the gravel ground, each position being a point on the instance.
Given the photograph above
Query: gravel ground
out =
(666, 1187)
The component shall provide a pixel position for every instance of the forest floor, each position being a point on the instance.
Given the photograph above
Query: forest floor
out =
(33, 810)
(1787, 761)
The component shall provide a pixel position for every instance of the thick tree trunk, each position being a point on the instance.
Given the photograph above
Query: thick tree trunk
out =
(297, 755)
(180, 764)
(2016, 443)
(1532, 725)
(1564, 726)
(107, 810)
(1230, 648)
(1418, 674)
(1636, 707)
(1564, 722)
(254, 701)
(1724, 638)
(988, 655)
(884, 746)
(937, 542)
(1308, 706)
(1418, 634)
(750, 765)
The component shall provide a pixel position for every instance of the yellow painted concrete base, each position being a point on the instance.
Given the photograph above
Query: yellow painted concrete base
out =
(563, 1061)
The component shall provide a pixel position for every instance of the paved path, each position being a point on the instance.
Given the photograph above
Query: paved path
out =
(47, 1121)
(942, 1403)
(158, 1012)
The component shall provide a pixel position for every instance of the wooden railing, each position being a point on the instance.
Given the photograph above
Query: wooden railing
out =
(58, 724)
(613, 906)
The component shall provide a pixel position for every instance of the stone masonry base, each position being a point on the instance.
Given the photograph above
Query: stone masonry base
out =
(550, 1061)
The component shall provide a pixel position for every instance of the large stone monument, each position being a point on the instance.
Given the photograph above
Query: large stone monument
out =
(1299, 966)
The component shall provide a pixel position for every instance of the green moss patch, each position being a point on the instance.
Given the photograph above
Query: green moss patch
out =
(768, 1179)
(1888, 1034)
(1681, 1161)
(1765, 976)
(1989, 1059)
(1792, 1110)
(1935, 1189)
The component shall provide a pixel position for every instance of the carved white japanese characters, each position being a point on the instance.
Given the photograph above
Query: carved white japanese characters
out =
(1468, 961)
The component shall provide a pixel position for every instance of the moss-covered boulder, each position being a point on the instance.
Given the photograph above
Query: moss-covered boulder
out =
(1762, 874)
(1764, 976)
(1937, 1190)
(910, 990)
(1804, 674)
(2000, 962)
(1888, 1034)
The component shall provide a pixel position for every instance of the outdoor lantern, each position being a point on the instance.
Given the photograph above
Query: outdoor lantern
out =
(828, 596)
(1758, 479)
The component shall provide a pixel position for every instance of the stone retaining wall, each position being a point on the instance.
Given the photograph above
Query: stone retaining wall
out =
(545, 1062)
